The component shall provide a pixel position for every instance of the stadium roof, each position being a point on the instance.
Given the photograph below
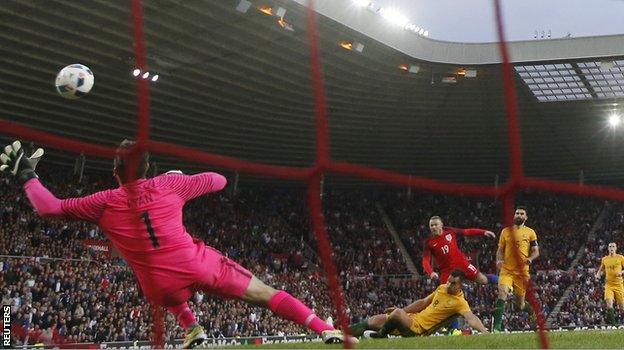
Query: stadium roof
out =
(238, 84)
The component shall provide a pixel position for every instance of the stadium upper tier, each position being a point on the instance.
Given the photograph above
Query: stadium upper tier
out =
(370, 24)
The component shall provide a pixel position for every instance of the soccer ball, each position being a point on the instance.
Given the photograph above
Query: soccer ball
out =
(74, 81)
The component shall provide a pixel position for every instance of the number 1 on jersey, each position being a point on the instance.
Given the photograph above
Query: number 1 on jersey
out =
(150, 230)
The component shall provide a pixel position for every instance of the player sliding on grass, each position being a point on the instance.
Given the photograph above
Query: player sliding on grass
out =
(424, 316)
(143, 220)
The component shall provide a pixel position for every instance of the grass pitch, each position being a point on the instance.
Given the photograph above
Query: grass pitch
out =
(613, 339)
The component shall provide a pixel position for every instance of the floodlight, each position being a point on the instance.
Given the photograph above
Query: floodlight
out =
(614, 120)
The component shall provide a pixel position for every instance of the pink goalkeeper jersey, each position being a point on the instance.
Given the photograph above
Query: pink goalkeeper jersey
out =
(143, 220)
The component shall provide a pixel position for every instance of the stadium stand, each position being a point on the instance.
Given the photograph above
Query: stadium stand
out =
(94, 298)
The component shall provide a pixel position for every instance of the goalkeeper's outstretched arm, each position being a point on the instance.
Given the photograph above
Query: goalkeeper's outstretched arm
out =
(17, 164)
(87, 208)
(193, 186)
(45, 203)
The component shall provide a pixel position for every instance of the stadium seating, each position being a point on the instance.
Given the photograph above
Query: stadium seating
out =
(95, 298)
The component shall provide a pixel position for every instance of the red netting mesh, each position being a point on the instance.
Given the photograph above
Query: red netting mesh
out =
(324, 164)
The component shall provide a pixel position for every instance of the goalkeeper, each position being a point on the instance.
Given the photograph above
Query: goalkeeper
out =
(143, 220)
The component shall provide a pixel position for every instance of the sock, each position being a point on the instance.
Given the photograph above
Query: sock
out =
(289, 308)
(493, 279)
(611, 316)
(498, 314)
(184, 315)
(357, 329)
(529, 309)
(387, 328)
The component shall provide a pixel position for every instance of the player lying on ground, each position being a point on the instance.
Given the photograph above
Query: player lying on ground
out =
(442, 245)
(612, 265)
(424, 316)
(514, 275)
(143, 220)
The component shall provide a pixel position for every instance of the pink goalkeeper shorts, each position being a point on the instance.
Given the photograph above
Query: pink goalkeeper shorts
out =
(208, 271)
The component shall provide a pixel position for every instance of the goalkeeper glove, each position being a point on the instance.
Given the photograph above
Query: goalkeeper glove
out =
(15, 162)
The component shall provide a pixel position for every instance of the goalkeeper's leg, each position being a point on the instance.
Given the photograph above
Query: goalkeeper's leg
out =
(195, 334)
(290, 308)
(284, 305)
(234, 281)
(184, 315)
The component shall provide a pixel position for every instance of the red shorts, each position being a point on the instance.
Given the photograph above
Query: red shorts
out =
(208, 271)
(469, 269)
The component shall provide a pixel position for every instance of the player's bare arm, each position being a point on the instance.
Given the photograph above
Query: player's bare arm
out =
(418, 305)
(389, 309)
(500, 253)
(474, 322)
(534, 253)
(600, 269)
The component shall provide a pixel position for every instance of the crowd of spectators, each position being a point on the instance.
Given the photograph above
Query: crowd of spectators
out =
(362, 244)
(586, 305)
(94, 298)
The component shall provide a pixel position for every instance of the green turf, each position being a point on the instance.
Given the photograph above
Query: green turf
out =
(560, 340)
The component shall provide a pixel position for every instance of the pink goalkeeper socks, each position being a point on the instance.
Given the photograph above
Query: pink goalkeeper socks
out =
(184, 315)
(318, 325)
(289, 308)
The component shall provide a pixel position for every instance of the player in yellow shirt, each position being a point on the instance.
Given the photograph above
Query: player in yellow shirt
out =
(424, 316)
(613, 266)
(514, 274)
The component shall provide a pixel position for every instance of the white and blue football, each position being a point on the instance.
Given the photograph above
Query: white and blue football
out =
(74, 81)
